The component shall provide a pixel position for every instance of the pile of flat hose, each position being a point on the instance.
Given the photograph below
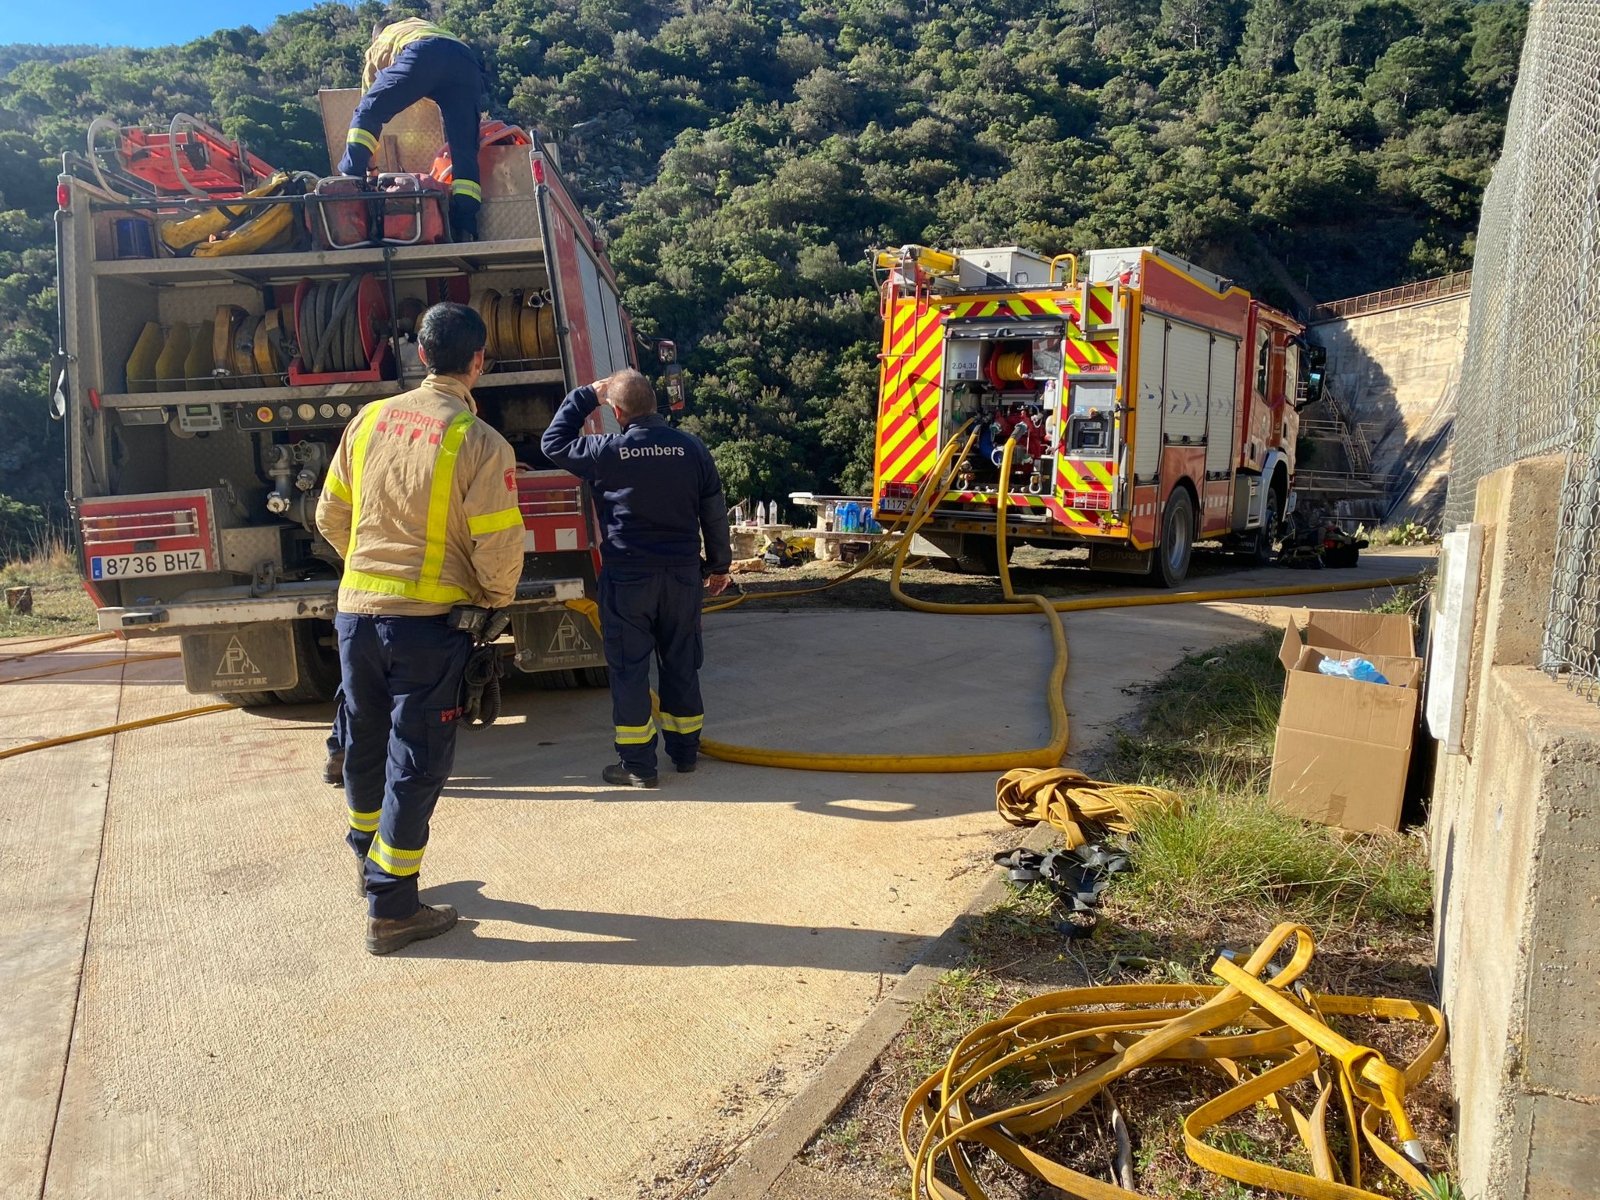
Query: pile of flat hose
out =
(330, 327)
(1069, 800)
(1066, 1049)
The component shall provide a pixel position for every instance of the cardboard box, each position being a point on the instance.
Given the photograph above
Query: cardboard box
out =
(1344, 746)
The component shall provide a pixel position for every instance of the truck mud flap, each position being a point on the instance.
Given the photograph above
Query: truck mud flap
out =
(1122, 560)
(245, 658)
(556, 639)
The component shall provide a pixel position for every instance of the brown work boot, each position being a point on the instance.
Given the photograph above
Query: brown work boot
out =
(387, 934)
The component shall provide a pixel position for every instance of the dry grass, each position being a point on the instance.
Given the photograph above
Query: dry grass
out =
(60, 605)
(1221, 873)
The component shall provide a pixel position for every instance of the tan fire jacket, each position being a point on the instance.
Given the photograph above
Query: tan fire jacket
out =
(394, 38)
(421, 500)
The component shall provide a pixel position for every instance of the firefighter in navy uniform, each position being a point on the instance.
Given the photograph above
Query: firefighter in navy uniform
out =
(659, 494)
(421, 499)
(414, 60)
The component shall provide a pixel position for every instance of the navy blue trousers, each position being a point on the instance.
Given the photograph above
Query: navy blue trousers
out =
(653, 615)
(437, 69)
(402, 704)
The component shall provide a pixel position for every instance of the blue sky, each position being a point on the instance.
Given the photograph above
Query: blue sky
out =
(132, 22)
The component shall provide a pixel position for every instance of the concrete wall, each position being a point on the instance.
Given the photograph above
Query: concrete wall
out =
(1515, 839)
(1397, 369)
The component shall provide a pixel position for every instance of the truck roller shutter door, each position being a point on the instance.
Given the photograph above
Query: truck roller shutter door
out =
(1222, 424)
(1188, 380)
(1148, 390)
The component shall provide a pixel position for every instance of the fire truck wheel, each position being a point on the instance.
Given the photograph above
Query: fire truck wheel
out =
(555, 681)
(248, 699)
(316, 657)
(1271, 523)
(979, 554)
(596, 677)
(1170, 564)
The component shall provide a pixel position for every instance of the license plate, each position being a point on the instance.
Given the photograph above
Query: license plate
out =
(157, 562)
(895, 504)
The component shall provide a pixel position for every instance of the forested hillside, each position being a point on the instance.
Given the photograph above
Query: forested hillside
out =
(743, 155)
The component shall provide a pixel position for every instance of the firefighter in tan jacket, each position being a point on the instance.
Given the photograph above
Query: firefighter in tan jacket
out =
(421, 500)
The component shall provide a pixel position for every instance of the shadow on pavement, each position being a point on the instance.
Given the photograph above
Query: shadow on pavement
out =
(638, 939)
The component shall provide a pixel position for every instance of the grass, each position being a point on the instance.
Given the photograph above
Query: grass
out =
(60, 605)
(1222, 871)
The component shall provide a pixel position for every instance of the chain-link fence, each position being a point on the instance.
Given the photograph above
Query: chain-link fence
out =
(1531, 380)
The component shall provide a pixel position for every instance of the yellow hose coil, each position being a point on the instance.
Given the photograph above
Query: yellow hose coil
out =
(1069, 1047)
(1069, 800)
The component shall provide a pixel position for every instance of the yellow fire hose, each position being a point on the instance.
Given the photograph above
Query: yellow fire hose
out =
(127, 660)
(1067, 1048)
(940, 480)
(107, 730)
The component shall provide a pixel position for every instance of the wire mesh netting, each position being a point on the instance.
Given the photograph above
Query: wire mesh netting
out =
(1530, 383)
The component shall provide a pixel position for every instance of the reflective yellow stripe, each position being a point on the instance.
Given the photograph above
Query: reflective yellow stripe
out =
(444, 477)
(636, 735)
(365, 822)
(506, 518)
(336, 485)
(392, 585)
(395, 862)
(406, 37)
(360, 137)
(427, 588)
(682, 724)
(358, 463)
(467, 187)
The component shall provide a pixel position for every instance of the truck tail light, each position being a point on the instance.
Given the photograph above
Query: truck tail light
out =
(63, 197)
(1089, 501)
(897, 498)
(169, 533)
(554, 516)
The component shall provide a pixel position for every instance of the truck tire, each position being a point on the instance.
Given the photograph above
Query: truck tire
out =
(555, 681)
(1169, 566)
(979, 555)
(1262, 548)
(248, 699)
(595, 677)
(316, 657)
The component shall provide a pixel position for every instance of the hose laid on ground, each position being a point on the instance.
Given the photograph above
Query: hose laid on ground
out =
(94, 666)
(107, 730)
(939, 481)
(1069, 800)
(1068, 1047)
(83, 641)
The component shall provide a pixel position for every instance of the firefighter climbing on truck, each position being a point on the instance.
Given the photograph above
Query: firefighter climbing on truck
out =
(409, 61)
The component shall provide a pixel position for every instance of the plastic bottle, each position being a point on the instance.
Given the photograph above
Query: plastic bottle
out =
(1352, 668)
(849, 519)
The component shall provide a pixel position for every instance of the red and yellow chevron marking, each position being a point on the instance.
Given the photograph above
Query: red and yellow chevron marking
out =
(1082, 356)
(1010, 306)
(1086, 475)
(909, 392)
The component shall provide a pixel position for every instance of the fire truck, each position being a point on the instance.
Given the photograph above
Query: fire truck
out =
(222, 322)
(1152, 404)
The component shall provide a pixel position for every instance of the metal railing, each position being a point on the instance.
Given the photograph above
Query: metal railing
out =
(1440, 287)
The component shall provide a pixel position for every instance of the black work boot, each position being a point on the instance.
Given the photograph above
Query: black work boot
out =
(387, 934)
(618, 774)
(684, 765)
(333, 769)
(463, 219)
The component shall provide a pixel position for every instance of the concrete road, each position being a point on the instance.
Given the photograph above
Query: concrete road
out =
(637, 978)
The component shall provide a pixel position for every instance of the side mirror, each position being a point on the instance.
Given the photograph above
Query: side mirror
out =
(676, 386)
(667, 351)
